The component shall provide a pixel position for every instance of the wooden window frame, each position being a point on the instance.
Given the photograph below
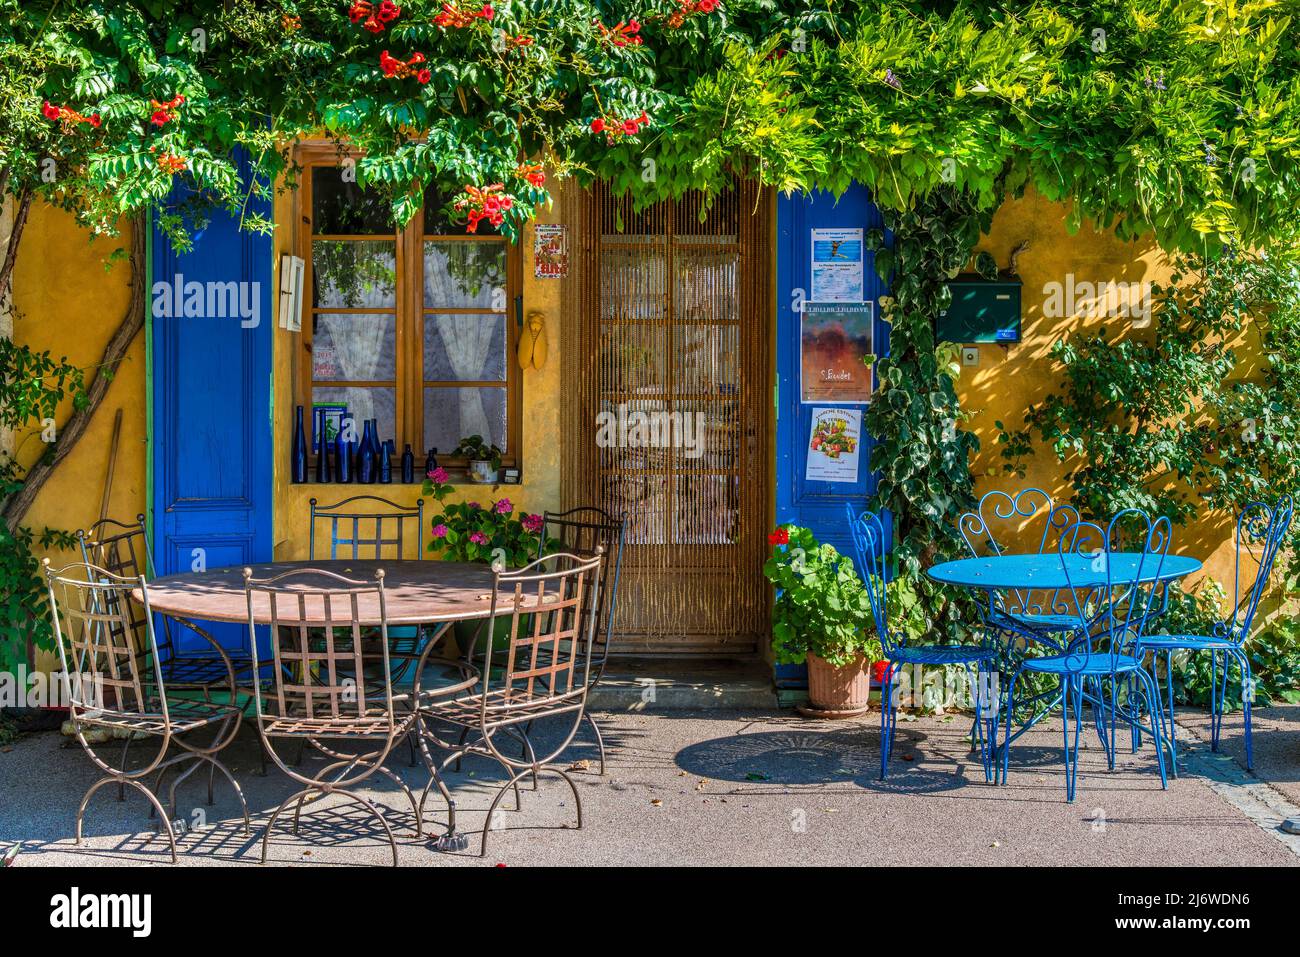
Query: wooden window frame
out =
(409, 312)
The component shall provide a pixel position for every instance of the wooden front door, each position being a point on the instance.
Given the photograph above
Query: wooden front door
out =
(669, 398)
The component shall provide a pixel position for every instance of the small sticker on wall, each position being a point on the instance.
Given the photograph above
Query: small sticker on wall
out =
(550, 251)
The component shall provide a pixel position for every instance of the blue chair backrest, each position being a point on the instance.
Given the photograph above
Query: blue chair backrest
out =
(1261, 529)
(871, 560)
(1115, 598)
(997, 508)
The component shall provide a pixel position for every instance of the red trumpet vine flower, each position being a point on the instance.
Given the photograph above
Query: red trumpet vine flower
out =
(614, 128)
(687, 8)
(374, 17)
(531, 172)
(487, 202)
(169, 163)
(164, 113)
(625, 34)
(67, 115)
(455, 16)
(400, 69)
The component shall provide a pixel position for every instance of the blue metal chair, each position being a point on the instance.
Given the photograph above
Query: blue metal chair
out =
(1107, 649)
(1039, 616)
(1260, 529)
(871, 547)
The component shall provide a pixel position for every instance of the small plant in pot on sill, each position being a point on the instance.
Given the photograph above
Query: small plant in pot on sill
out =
(822, 616)
(485, 534)
(484, 459)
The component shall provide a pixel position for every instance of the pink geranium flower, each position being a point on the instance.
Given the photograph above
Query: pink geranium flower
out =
(503, 507)
(531, 523)
(439, 475)
(475, 506)
(440, 531)
(478, 538)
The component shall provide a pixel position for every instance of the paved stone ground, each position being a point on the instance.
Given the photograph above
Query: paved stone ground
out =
(697, 788)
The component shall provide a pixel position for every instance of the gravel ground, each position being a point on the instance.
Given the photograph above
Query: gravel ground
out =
(699, 788)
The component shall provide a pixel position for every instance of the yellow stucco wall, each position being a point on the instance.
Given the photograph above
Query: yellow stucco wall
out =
(66, 302)
(1011, 378)
(540, 439)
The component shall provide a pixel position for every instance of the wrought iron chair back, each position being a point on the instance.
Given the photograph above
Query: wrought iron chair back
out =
(1118, 608)
(123, 549)
(995, 515)
(546, 659)
(99, 634)
(368, 535)
(870, 549)
(585, 531)
(317, 641)
(1260, 529)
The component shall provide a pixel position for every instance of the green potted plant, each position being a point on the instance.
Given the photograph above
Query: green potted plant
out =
(822, 616)
(490, 535)
(484, 459)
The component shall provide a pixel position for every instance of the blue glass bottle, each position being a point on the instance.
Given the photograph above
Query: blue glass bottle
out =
(366, 455)
(408, 465)
(299, 450)
(342, 457)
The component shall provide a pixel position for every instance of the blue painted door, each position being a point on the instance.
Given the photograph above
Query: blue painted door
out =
(210, 344)
(816, 505)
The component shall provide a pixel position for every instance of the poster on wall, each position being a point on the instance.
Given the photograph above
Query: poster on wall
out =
(550, 251)
(836, 351)
(833, 445)
(836, 265)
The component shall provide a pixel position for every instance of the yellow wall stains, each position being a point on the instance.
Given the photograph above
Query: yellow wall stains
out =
(65, 302)
(540, 411)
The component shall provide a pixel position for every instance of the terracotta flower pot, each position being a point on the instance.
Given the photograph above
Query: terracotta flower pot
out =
(838, 692)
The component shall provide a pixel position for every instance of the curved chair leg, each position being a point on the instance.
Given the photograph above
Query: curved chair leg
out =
(886, 719)
(1010, 716)
(600, 739)
(1216, 703)
(487, 822)
(1073, 689)
(1149, 693)
(1172, 729)
(1247, 697)
(369, 805)
(164, 824)
(449, 838)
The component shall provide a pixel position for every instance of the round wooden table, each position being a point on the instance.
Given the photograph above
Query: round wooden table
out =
(415, 592)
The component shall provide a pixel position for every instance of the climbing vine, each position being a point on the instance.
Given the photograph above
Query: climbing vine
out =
(1177, 119)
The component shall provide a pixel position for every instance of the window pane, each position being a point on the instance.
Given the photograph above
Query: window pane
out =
(354, 275)
(363, 403)
(464, 347)
(342, 208)
(352, 347)
(452, 414)
(464, 274)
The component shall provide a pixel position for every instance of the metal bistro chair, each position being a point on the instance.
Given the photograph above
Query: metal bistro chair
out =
(317, 645)
(871, 549)
(1029, 613)
(543, 670)
(375, 536)
(112, 684)
(1108, 649)
(582, 531)
(123, 549)
(1260, 529)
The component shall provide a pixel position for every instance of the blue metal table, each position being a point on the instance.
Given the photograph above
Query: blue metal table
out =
(1048, 572)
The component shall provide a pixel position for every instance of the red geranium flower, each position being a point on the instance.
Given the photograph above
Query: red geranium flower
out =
(779, 537)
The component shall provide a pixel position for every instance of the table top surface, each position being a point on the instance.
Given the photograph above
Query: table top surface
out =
(415, 592)
(1046, 571)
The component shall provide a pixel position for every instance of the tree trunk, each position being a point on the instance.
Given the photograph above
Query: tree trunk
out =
(132, 322)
